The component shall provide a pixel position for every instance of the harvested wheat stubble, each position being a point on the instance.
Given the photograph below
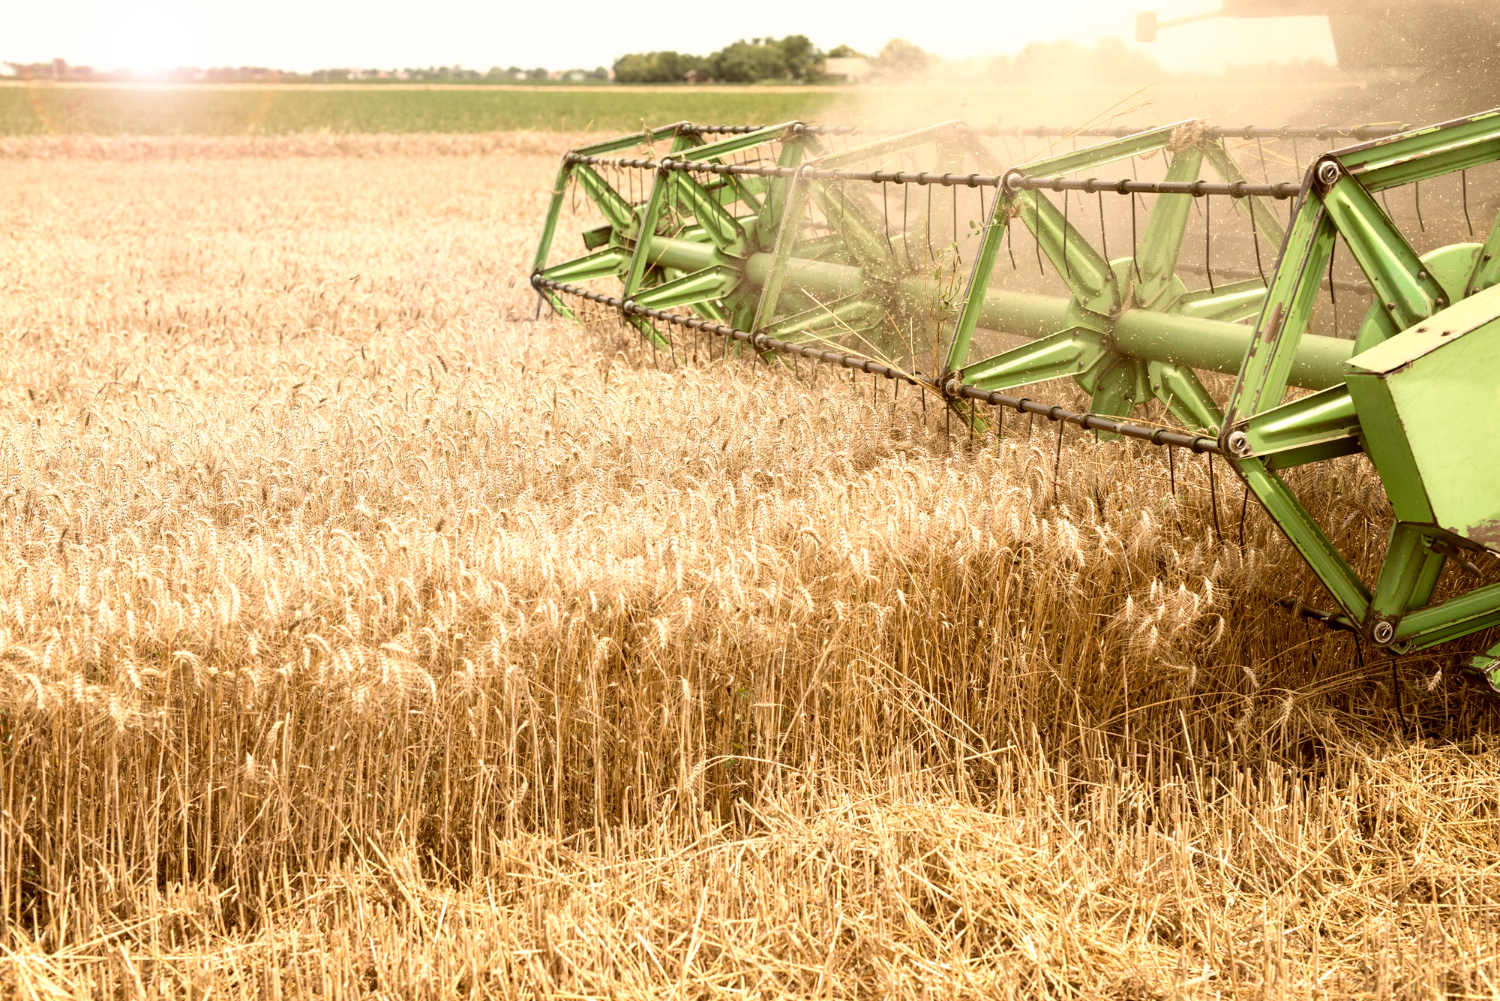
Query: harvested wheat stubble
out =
(360, 634)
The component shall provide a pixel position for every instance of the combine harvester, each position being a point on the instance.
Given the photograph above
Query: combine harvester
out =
(948, 258)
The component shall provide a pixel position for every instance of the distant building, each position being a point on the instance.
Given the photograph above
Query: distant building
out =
(851, 69)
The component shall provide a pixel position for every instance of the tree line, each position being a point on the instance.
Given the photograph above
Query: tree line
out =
(793, 58)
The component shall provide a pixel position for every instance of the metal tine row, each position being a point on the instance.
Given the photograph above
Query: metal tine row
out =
(620, 166)
(1323, 132)
(1016, 180)
(766, 344)
(998, 402)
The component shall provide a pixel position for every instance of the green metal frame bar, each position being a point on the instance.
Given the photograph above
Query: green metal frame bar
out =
(1156, 260)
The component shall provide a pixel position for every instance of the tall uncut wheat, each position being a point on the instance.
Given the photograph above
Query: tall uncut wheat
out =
(362, 634)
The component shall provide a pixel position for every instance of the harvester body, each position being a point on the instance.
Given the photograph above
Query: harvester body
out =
(1371, 37)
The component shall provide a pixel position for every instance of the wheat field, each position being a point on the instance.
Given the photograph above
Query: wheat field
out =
(365, 634)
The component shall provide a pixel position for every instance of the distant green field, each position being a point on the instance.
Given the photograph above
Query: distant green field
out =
(103, 110)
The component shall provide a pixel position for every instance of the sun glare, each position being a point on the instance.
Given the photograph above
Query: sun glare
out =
(149, 43)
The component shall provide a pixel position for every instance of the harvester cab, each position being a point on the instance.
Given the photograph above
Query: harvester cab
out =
(1409, 58)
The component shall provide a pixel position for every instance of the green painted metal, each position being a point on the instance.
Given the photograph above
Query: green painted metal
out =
(1220, 347)
(680, 139)
(1419, 395)
(1315, 427)
(1006, 208)
(809, 256)
(1139, 314)
(1401, 283)
(1485, 668)
(1487, 263)
(1425, 153)
(1417, 380)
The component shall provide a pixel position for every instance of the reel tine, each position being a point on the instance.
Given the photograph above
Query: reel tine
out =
(930, 258)
(1244, 509)
(1333, 296)
(1036, 233)
(1213, 499)
(1103, 235)
(1057, 460)
(1066, 263)
(1464, 187)
(1135, 243)
(905, 205)
(885, 208)
(1208, 240)
(1255, 239)
(954, 192)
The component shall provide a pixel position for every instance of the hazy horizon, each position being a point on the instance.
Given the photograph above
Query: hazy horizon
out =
(162, 34)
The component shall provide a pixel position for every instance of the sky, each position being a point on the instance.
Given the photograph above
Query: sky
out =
(311, 34)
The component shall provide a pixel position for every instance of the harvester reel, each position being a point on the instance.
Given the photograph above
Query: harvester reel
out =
(769, 238)
(1088, 349)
